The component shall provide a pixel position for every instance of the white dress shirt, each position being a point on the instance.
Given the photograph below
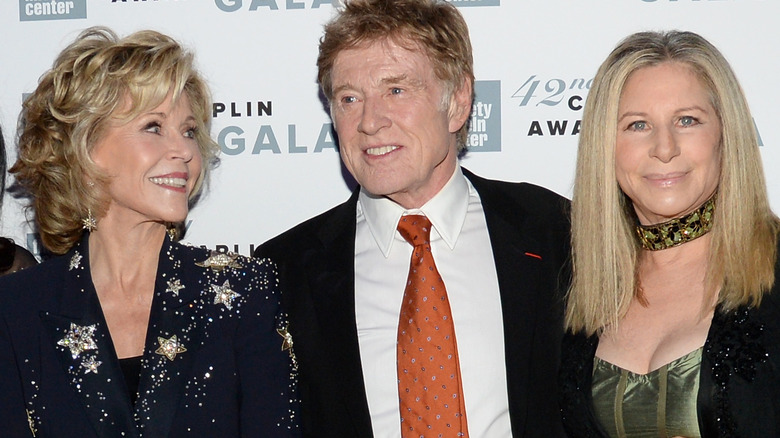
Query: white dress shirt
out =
(461, 247)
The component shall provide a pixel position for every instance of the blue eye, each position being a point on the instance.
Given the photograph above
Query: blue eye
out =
(396, 90)
(349, 99)
(687, 121)
(639, 125)
(190, 133)
(153, 127)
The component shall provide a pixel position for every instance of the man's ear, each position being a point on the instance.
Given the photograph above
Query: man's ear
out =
(460, 105)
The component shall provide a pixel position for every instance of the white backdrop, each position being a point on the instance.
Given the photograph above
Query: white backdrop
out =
(533, 61)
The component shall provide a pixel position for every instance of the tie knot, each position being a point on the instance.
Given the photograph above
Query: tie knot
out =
(415, 228)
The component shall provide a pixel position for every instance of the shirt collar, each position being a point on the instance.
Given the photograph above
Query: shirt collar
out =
(446, 211)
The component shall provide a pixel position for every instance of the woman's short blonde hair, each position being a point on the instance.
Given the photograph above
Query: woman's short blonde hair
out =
(90, 83)
(605, 250)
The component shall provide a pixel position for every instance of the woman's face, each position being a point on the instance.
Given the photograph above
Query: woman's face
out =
(667, 157)
(152, 161)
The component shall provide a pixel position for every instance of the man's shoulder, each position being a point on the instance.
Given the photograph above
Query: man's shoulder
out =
(522, 195)
(339, 217)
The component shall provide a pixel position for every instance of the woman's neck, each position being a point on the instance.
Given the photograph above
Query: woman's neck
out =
(124, 256)
(690, 255)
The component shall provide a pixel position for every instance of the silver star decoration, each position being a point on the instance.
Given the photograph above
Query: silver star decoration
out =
(78, 339)
(170, 347)
(287, 344)
(224, 295)
(174, 286)
(74, 261)
(90, 364)
(218, 261)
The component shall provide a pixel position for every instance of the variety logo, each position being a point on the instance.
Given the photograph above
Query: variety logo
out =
(39, 10)
(272, 5)
(485, 129)
(465, 3)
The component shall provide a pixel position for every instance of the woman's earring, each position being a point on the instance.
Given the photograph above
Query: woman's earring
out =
(173, 231)
(89, 223)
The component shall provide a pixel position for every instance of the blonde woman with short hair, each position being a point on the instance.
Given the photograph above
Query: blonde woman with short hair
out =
(128, 332)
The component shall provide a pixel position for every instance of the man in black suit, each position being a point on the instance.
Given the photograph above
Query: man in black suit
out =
(399, 79)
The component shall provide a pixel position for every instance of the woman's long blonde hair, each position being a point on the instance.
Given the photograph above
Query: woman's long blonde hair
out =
(605, 250)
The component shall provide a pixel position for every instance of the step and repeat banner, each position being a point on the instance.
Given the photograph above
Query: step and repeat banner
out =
(534, 63)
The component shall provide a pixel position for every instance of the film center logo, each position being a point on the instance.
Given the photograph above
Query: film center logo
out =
(39, 10)
(465, 3)
(485, 128)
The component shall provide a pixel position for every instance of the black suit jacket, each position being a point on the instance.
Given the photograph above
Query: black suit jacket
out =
(232, 380)
(739, 380)
(316, 260)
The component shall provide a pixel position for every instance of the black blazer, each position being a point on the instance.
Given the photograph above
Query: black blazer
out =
(739, 381)
(232, 380)
(316, 260)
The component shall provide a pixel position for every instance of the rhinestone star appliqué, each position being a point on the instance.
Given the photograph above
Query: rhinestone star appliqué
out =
(174, 286)
(90, 364)
(287, 344)
(74, 261)
(218, 261)
(78, 339)
(224, 295)
(170, 347)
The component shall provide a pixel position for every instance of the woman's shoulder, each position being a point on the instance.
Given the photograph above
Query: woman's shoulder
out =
(768, 316)
(218, 258)
(246, 273)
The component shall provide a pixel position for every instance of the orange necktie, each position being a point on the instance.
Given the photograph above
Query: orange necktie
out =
(429, 386)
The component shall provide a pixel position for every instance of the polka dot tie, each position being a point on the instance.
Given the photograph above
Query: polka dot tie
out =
(429, 386)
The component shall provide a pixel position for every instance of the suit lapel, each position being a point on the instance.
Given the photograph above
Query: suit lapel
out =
(83, 346)
(177, 329)
(518, 279)
(333, 294)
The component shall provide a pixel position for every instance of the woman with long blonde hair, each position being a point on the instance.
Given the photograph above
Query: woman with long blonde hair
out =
(672, 315)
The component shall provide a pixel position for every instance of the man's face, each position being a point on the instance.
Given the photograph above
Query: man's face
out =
(396, 126)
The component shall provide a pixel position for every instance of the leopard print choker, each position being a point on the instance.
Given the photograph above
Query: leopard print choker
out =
(677, 231)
